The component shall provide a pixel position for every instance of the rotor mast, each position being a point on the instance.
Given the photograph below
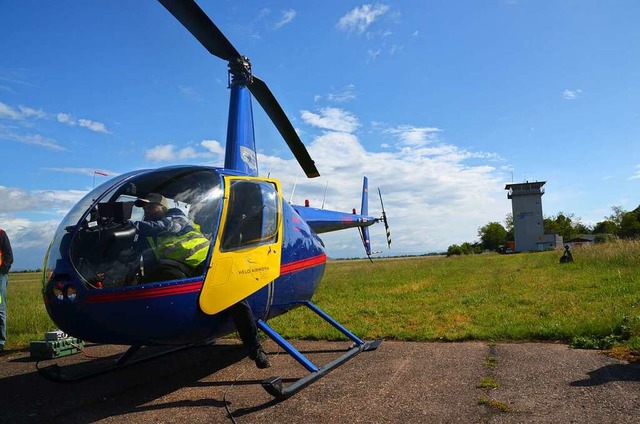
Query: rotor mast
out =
(240, 151)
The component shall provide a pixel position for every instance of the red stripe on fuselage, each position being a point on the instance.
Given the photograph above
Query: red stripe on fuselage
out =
(192, 287)
(144, 293)
(302, 264)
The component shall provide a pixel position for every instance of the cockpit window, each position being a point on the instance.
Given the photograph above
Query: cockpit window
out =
(252, 215)
(155, 226)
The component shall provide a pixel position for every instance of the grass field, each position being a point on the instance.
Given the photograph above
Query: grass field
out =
(489, 297)
(594, 301)
(27, 318)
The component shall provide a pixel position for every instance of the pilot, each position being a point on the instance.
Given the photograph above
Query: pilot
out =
(154, 205)
(178, 249)
(181, 251)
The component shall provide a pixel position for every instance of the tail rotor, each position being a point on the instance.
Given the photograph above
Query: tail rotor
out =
(364, 230)
(383, 218)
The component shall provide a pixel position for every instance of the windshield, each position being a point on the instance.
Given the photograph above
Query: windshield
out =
(153, 226)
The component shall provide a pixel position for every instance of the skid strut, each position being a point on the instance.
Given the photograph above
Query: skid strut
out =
(273, 385)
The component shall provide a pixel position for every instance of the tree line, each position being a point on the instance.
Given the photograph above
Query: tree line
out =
(493, 236)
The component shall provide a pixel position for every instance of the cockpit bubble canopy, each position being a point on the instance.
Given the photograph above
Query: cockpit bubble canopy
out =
(100, 234)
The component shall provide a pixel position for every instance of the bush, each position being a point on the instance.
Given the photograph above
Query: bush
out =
(454, 249)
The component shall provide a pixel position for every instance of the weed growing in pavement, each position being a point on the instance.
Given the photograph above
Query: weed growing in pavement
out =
(491, 361)
(488, 383)
(495, 404)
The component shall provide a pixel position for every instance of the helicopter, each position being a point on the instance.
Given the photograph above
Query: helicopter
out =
(96, 284)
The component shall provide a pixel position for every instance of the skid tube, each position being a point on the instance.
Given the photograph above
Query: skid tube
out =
(273, 385)
(57, 373)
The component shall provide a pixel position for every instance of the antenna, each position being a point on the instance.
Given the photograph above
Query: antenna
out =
(325, 194)
(294, 189)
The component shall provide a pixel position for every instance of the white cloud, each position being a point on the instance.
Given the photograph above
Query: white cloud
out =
(26, 117)
(21, 113)
(27, 234)
(163, 152)
(360, 18)
(373, 54)
(213, 146)
(33, 139)
(331, 118)
(571, 94)
(337, 150)
(287, 16)
(637, 174)
(16, 199)
(28, 112)
(7, 112)
(31, 235)
(343, 95)
(432, 195)
(414, 136)
(169, 152)
(65, 118)
(93, 125)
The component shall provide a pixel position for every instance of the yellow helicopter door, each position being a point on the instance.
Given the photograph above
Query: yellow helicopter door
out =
(248, 248)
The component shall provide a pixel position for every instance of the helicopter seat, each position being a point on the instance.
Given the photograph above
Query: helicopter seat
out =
(167, 269)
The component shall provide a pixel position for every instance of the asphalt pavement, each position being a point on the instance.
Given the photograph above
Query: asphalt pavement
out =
(400, 382)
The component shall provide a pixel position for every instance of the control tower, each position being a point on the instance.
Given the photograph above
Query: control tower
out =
(528, 223)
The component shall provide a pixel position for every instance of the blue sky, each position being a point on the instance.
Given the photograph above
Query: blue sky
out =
(439, 103)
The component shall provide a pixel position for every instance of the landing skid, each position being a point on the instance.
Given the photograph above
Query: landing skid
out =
(273, 385)
(65, 374)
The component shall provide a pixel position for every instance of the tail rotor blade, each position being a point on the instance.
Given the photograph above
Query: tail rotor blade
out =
(384, 219)
(193, 18)
(270, 105)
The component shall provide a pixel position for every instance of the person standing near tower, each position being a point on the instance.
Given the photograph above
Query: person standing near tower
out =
(6, 259)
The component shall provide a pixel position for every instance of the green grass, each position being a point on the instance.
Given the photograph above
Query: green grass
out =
(27, 319)
(528, 296)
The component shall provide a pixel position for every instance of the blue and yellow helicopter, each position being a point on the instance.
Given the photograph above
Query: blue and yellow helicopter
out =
(260, 247)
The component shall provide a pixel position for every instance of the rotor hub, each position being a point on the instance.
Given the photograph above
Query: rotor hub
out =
(240, 70)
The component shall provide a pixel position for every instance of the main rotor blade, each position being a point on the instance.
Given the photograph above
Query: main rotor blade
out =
(270, 105)
(193, 18)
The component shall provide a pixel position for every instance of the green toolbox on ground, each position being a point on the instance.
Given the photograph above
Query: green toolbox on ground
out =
(55, 345)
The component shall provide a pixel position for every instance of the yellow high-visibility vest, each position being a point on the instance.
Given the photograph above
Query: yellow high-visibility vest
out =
(190, 248)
